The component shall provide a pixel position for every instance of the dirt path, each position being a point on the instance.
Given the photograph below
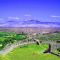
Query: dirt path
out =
(9, 48)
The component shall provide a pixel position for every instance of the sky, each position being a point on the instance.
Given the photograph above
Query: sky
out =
(42, 10)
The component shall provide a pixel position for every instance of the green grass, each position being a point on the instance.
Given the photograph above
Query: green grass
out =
(10, 37)
(29, 52)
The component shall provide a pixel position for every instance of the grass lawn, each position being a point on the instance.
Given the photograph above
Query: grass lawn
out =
(29, 52)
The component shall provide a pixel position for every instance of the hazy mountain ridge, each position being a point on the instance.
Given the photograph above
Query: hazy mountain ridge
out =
(28, 23)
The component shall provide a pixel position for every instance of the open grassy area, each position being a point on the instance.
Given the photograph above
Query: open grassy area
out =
(29, 52)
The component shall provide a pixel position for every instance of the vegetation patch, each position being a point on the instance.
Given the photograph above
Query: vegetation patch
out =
(49, 36)
(29, 52)
(9, 37)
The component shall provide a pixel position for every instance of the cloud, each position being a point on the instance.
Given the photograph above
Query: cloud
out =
(27, 15)
(17, 18)
(55, 16)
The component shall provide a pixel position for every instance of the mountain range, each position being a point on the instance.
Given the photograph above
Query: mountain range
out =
(29, 23)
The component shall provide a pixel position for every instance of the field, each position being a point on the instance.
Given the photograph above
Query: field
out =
(29, 52)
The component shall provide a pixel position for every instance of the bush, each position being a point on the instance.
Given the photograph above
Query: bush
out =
(58, 49)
